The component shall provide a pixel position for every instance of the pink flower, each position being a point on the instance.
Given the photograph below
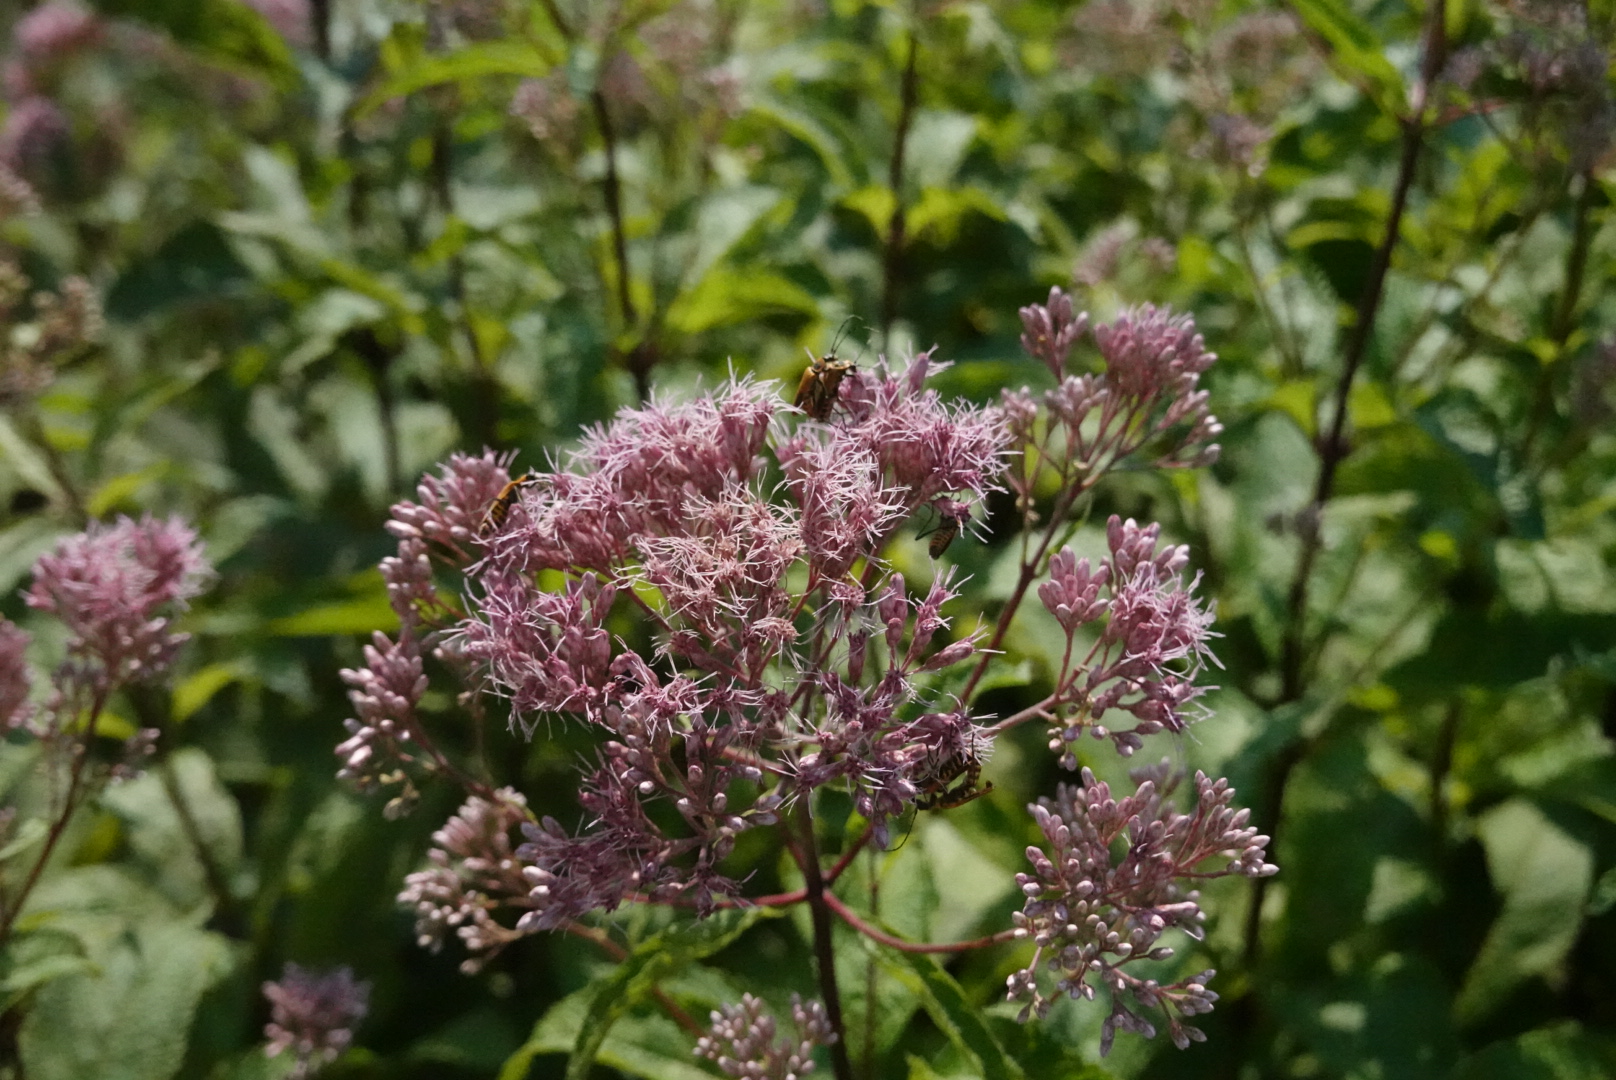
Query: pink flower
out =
(1115, 879)
(745, 1041)
(110, 585)
(55, 30)
(474, 872)
(313, 1015)
(15, 677)
(1049, 330)
(1151, 645)
(34, 138)
(453, 503)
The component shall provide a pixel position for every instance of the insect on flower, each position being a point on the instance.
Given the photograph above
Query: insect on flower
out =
(935, 793)
(816, 393)
(501, 506)
(953, 518)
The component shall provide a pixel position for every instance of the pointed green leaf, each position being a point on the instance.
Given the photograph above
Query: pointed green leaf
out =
(951, 1011)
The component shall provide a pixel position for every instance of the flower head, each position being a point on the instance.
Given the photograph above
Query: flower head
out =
(474, 872)
(15, 677)
(745, 1041)
(1114, 880)
(313, 1015)
(112, 586)
(54, 30)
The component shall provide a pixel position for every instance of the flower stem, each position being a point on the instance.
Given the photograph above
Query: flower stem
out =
(70, 802)
(819, 905)
(851, 918)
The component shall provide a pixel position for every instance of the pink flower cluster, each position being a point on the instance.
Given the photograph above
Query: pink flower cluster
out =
(750, 699)
(787, 656)
(113, 587)
(474, 871)
(1091, 912)
(1145, 397)
(744, 1040)
(1149, 644)
(313, 1015)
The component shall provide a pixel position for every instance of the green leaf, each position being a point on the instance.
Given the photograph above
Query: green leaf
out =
(1355, 48)
(197, 689)
(951, 1011)
(811, 133)
(1562, 1052)
(650, 1046)
(629, 982)
(1544, 876)
(730, 296)
(30, 961)
(196, 263)
(120, 491)
(24, 838)
(162, 842)
(229, 33)
(478, 61)
(361, 614)
(128, 1018)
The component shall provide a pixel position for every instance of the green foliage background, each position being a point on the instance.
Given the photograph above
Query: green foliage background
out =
(328, 263)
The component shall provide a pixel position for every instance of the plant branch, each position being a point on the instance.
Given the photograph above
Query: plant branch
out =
(819, 901)
(851, 918)
(1563, 322)
(58, 826)
(1332, 448)
(613, 193)
(893, 261)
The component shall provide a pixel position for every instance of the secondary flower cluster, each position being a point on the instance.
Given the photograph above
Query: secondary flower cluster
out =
(1145, 397)
(313, 1015)
(114, 587)
(744, 1041)
(33, 345)
(1091, 914)
(1150, 643)
(474, 872)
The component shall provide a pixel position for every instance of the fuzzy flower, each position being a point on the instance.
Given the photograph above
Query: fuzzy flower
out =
(846, 510)
(633, 478)
(1049, 330)
(781, 655)
(549, 651)
(745, 1041)
(1114, 880)
(1148, 649)
(923, 445)
(54, 30)
(474, 872)
(34, 138)
(112, 586)
(15, 677)
(1154, 359)
(384, 693)
(453, 503)
(313, 1016)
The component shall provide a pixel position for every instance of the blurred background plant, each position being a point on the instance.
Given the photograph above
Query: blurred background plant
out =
(265, 263)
